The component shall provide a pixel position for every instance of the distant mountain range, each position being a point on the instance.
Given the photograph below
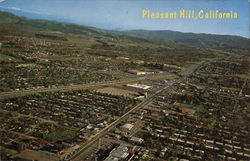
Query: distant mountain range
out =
(224, 42)
(193, 39)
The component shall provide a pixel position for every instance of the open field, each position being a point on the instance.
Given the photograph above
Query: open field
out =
(5, 59)
(116, 91)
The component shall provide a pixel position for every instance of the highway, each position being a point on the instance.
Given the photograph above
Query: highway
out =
(80, 86)
(70, 87)
(62, 88)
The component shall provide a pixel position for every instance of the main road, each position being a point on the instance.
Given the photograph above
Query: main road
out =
(77, 156)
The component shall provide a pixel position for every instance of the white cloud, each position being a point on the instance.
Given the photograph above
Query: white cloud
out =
(1, 1)
(22, 10)
(15, 8)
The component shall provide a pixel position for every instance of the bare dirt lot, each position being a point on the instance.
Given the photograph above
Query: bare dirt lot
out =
(31, 154)
(116, 91)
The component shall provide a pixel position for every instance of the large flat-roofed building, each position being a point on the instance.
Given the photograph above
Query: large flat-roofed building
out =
(141, 86)
(172, 66)
(119, 154)
(127, 126)
(137, 72)
(136, 140)
(110, 158)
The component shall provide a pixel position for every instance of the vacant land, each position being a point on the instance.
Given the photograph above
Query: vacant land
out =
(116, 91)
(7, 59)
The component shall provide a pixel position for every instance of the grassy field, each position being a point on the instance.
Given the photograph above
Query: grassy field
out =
(60, 133)
(199, 109)
(6, 59)
(189, 106)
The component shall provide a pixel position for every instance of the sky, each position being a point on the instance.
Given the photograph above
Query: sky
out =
(127, 14)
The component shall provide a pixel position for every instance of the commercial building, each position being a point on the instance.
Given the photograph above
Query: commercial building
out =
(141, 86)
(127, 126)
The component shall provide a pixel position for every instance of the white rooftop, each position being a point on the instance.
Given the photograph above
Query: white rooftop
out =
(141, 86)
(127, 126)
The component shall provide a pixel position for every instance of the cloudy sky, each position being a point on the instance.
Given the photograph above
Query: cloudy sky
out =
(126, 14)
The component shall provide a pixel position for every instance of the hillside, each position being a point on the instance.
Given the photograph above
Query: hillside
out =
(11, 19)
(173, 38)
(198, 40)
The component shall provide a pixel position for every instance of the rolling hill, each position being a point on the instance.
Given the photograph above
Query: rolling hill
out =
(167, 37)
(198, 40)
